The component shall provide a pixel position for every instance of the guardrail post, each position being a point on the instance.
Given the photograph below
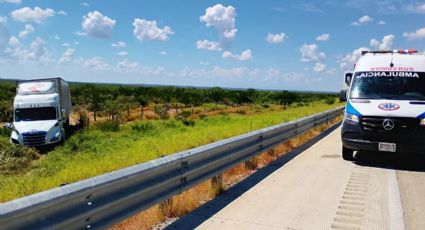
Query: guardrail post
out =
(218, 184)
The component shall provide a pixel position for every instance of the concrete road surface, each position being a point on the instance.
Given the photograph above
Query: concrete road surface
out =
(315, 189)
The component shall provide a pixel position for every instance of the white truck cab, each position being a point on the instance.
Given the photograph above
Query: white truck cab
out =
(386, 104)
(41, 112)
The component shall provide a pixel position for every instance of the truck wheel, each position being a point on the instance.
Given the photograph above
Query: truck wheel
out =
(347, 154)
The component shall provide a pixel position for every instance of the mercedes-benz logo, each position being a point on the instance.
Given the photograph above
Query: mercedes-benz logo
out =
(388, 124)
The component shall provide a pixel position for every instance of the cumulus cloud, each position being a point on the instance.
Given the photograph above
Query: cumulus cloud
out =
(381, 22)
(310, 53)
(37, 15)
(223, 20)
(208, 45)
(97, 26)
(127, 66)
(96, 63)
(385, 44)
(347, 62)
(66, 44)
(362, 21)
(275, 38)
(4, 33)
(323, 37)
(122, 53)
(119, 44)
(319, 67)
(244, 56)
(85, 4)
(417, 35)
(163, 52)
(27, 30)
(148, 30)
(36, 52)
(67, 56)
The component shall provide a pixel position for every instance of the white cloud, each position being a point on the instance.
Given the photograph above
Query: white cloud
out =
(386, 44)
(223, 20)
(127, 66)
(122, 53)
(417, 35)
(37, 15)
(27, 30)
(14, 41)
(204, 63)
(244, 56)
(144, 29)
(163, 52)
(362, 21)
(319, 67)
(67, 56)
(85, 4)
(37, 50)
(96, 63)
(13, 1)
(276, 38)
(66, 44)
(56, 37)
(119, 44)
(3, 20)
(381, 22)
(323, 37)
(97, 26)
(208, 45)
(310, 53)
(421, 7)
(61, 12)
(347, 62)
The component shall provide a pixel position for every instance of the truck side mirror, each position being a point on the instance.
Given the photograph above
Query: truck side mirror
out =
(62, 113)
(9, 126)
(343, 95)
(348, 77)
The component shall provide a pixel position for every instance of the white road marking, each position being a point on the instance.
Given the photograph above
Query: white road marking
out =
(395, 206)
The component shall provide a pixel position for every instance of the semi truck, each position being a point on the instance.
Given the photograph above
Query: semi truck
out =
(41, 110)
(385, 108)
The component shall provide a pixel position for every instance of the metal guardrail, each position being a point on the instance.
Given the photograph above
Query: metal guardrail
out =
(104, 200)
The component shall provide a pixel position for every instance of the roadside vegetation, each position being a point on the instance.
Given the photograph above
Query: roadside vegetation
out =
(129, 132)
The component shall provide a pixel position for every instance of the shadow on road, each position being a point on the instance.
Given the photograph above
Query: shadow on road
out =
(206, 211)
(398, 161)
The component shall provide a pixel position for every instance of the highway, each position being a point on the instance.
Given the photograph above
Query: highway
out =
(315, 189)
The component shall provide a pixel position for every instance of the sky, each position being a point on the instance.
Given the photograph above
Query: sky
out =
(281, 45)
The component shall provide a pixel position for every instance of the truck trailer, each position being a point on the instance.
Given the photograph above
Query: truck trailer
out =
(41, 110)
(385, 108)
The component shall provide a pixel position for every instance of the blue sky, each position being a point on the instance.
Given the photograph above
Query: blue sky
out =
(295, 45)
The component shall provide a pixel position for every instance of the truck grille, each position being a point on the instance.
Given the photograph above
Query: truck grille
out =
(402, 126)
(34, 138)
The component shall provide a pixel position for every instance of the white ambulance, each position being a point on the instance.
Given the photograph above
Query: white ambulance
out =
(386, 103)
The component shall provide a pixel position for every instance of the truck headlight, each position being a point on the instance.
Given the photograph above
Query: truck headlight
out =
(56, 137)
(352, 117)
(423, 122)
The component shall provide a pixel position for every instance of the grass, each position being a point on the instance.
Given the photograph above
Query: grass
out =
(100, 150)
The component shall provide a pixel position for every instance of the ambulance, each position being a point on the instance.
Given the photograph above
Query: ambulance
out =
(385, 108)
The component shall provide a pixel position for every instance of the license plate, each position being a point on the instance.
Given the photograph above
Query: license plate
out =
(387, 147)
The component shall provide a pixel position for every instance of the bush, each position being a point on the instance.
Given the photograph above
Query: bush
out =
(109, 126)
(188, 122)
(5, 132)
(330, 100)
(186, 114)
(142, 127)
(203, 117)
(15, 159)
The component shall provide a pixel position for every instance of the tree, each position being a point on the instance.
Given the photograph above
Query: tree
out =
(143, 103)
(113, 108)
(126, 102)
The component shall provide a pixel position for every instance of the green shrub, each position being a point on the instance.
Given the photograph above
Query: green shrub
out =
(203, 117)
(186, 114)
(330, 100)
(142, 127)
(5, 132)
(14, 158)
(109, 126)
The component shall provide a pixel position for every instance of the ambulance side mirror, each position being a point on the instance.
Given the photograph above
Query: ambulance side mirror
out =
(348, 77)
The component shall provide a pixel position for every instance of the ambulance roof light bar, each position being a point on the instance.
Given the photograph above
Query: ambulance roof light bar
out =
(408, 51)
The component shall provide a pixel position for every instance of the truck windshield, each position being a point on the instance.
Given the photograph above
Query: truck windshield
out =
(388, 85)
(35, 114)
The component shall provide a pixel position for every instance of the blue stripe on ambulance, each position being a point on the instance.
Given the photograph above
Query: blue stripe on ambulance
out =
(351, 110)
